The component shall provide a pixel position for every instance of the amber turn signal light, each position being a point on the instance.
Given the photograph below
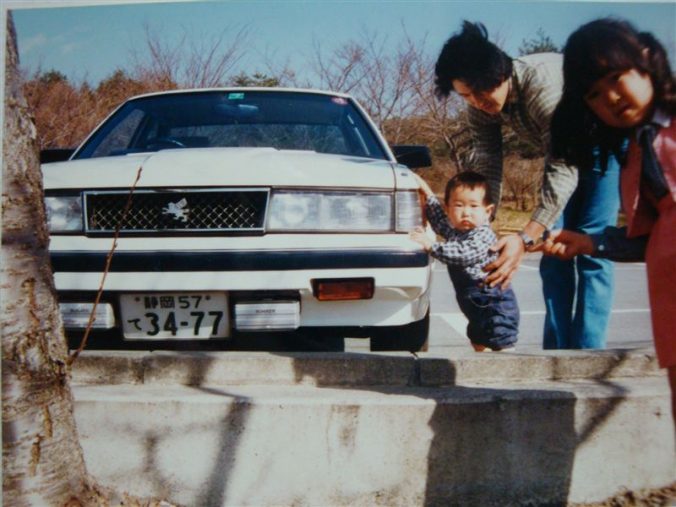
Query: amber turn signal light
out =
(343, 289)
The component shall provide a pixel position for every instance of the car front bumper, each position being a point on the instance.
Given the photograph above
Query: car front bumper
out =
(401, 278)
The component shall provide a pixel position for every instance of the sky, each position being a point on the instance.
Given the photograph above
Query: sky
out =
(89, 40)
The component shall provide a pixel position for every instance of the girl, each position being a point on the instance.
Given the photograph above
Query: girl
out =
(618, 86)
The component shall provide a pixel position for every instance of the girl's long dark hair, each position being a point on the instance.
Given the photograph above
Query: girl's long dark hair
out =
(591, 52)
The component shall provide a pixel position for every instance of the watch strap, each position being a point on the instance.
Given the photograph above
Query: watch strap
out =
(527, 240)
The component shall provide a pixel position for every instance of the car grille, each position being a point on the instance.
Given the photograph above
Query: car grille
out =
(180, 211)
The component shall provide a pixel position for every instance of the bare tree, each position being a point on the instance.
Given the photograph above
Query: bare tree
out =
(387, 85)
(396, 86)
(42, 459)
(521, 179)
(441, 121)
(342, 70)
(282, 69)
(375, 73)
(192, 61)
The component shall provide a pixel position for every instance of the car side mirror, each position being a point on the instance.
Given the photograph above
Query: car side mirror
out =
(412, 156)
(55, 155)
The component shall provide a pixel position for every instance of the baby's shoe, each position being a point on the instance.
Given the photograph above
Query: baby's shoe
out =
(510, 348)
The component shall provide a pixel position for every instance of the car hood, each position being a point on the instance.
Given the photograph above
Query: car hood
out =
(209, 167)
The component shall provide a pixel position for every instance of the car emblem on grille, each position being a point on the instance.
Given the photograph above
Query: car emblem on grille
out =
(178, 210)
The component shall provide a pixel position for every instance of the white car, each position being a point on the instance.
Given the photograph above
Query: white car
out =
(255, 210)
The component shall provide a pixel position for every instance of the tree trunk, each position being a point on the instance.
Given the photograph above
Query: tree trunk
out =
(42, 461)
(41, 456)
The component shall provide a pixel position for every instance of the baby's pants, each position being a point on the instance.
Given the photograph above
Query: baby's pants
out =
(493, 313)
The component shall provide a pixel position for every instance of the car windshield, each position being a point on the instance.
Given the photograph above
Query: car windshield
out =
(282, 120)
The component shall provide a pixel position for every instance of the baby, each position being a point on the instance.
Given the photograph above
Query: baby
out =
(493, 312)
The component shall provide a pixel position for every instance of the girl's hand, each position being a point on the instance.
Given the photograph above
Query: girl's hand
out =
(420, 236)
(565, 245)
(423, 186)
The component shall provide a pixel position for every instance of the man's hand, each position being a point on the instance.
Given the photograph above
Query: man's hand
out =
(420, 236)
(512, 249)
(502, 270)
(564, 244)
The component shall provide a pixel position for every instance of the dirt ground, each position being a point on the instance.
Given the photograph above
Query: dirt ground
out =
(663, 497)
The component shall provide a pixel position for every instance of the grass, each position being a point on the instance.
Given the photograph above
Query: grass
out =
(509, 220)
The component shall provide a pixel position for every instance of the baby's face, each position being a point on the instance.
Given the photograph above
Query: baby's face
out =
(466, 208)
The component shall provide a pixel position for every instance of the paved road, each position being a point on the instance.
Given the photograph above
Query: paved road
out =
(629, 323)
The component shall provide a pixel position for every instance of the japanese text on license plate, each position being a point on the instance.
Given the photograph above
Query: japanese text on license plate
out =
(162, 316)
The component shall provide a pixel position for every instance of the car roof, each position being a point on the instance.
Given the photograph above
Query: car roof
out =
(243, 89)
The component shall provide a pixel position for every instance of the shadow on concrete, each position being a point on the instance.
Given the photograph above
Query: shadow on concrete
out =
(489, 446)
(494, 447)
(302, 340)
(604, 407)
(498, 447)
(215, 490)
(232, 428)
(504, 448)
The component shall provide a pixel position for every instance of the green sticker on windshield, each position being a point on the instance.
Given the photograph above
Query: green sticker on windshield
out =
(236, 96)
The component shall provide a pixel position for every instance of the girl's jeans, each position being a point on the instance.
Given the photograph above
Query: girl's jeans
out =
(579, 293)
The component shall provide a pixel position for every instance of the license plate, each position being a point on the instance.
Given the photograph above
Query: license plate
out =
(179, 316)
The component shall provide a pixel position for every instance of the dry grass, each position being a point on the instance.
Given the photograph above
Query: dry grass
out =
(510, 220)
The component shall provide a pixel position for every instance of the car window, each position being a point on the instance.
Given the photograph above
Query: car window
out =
(321, 138)
(117, 139)
(281, 120)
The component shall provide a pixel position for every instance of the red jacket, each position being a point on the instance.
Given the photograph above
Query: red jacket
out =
(640, 213)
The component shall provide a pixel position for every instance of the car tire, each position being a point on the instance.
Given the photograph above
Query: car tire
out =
(413, 337)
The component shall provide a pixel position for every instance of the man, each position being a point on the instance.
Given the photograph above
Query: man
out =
(523, 93)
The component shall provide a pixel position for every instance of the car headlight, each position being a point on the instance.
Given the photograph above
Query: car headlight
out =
(409, 211)
(64, 213)
(330, 211)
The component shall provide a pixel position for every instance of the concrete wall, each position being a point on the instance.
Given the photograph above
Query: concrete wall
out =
(334, 429)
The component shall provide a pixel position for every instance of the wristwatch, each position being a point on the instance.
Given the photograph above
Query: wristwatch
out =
(528, 242)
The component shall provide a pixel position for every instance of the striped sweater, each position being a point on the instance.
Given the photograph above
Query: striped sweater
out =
(536, 87)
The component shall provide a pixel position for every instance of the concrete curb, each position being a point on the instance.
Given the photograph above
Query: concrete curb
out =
(541, 443)
(354, 369)
(336, 429)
